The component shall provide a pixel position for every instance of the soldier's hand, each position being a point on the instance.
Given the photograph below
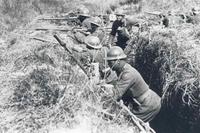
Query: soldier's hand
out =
(107, 89)
(119, 28)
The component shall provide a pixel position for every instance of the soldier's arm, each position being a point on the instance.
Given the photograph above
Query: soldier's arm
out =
(113, 33)
(77, 48)
(122, 85)
(81, 55)
(111, 40)
(79, 37)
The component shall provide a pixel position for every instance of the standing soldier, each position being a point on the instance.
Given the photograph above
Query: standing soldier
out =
(131, 87)
(119, 28)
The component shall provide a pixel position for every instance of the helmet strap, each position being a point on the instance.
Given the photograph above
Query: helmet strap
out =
(116, 62)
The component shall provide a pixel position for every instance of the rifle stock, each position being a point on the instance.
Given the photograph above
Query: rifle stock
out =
(77, 61)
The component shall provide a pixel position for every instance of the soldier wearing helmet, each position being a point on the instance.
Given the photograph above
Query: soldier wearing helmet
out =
(84, 22)
(131, 87)
(84, 18)
(95, 23)
(95, 53)
(92, 29)
(119, 29)
(96, 29)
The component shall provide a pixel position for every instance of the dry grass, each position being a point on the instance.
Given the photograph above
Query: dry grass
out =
(41, 91)
(169, 62)
(49, 94)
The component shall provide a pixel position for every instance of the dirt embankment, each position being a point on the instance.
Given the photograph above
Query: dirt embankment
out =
(42, 88)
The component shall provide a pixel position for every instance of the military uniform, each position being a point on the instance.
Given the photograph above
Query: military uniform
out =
(80, 36)
(122, 36)
(133, 90)
(86, 23)
(100, 34)
(97, 56)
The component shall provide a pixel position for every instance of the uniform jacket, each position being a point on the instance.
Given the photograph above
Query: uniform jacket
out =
(122, 37)
(93, 55)
(133, 90)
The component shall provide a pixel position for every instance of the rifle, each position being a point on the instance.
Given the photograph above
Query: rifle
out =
(42, 40)
(153, 13)
(56, 29)
(77, 61)
(160, 14)
(64, 18)
(61, 29)
(138, 122)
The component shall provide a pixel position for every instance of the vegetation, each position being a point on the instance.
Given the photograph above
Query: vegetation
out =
(43, 90)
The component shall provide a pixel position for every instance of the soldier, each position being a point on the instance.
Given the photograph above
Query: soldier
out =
(96, 53)
(119, 28)
(83, 16)
(95, 24)
(93, 30)
(96, 30)
(84, 21)
(131, 87)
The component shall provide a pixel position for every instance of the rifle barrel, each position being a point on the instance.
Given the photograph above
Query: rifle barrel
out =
(42, 40)
(153, 13)
(77, 61)
(70, 18)
(52, 29)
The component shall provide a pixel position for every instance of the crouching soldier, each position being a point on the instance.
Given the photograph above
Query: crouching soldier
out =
(92, 28)
(96, 53)
(84, 20)
(131, 87)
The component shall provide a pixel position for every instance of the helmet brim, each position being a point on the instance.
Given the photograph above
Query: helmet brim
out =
(119, 14)
(95, 47)
(95, 24)
(84, 15)
(116, 58)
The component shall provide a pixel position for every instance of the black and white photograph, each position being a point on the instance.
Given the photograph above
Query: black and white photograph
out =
(99, 66)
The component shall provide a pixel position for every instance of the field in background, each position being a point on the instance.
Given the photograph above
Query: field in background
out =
(43, 90)
(15, 13)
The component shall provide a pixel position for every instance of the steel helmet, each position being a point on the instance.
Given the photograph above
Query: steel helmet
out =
(96, 21)
(84, 12)
(115, 53)
(119, 12)
(93, 41)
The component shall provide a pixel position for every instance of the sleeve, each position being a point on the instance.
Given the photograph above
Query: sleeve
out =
(86, 23)
(80, 37)
(122, 85)
(84, 57)
(114, 28)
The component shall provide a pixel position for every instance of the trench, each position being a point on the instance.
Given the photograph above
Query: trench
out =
(155, 60)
